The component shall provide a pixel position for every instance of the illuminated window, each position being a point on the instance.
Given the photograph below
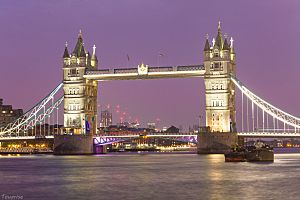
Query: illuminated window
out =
(216, 53)
(216, 65)
(72, 71)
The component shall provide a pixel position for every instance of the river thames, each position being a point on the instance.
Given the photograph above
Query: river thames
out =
(148, 176)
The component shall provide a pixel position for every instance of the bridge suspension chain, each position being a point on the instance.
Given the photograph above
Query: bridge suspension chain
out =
(34, 116)
(276, 113)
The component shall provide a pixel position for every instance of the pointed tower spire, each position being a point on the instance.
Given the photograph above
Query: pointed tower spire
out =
(94, 50)
(207, 45)
(80, 33)
(82, 52)
(219, 38)
(66, 52)
(226, 45)
(79, 48)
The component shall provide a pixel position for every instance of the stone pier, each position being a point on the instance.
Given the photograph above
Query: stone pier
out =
(215, 142)
(73, 144)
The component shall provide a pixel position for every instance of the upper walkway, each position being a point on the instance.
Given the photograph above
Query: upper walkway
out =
(146, 72)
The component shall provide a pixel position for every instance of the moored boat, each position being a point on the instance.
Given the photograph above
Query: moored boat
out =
(264, 154)
(258, 153)
(235, 156)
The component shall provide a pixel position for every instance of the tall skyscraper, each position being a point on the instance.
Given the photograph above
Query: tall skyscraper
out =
(106, 118)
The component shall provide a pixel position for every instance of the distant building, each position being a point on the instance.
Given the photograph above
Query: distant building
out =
(172, 129)
(106, 118)
(8, 114)
(151, 125)
(164, 129)
(194, 129)
(128, 124)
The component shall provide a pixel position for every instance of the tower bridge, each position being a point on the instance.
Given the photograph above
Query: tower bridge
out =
(81, 77)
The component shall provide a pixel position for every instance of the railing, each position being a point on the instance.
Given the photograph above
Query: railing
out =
(269, 134)
(160, 69)
(190, 68)
(125, 70)
(100, 71)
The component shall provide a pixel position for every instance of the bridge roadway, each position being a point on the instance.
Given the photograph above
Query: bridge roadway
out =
(167, 135)
(146, 72)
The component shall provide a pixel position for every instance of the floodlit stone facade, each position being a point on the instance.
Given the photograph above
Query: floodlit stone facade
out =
(219, 63)
(80, 94)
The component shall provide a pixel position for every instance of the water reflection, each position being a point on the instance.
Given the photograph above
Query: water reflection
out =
(150, 176)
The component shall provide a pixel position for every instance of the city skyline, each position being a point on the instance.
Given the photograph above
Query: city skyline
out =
(135, 35)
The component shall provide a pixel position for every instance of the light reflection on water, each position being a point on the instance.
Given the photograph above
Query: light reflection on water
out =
(148, 176)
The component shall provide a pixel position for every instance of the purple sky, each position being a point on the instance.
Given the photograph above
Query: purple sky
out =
(266, 35)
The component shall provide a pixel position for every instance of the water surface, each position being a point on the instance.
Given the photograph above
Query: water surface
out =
(148, 176)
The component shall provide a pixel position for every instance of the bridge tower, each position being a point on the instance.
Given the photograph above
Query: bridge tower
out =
(80, 94)
(219, 63)
(80, 102)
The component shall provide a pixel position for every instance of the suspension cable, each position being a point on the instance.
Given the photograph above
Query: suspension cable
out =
(274, 125)
(263, 112)
(252, 108)
(242, 111)
(247, 116)
(257, 126)
(267, 107)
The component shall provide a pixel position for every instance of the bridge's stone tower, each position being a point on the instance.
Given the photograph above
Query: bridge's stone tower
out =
(80, 102)
(219, 63)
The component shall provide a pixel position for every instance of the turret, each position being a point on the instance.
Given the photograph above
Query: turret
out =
(226, 49)
(66, 56)
(232, 51)
(207, 49)
(88, 58)
(94, 59)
